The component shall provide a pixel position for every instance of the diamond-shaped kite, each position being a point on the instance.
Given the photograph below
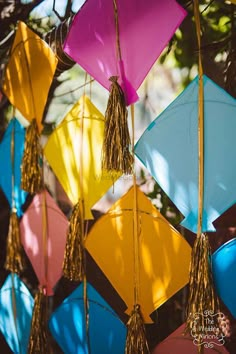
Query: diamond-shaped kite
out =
(224, 271)
(144, 31)
(117, 42)
(65, 143)
(106, 333)
(169, 150)
(16, 306)
(11, 152)
(43, 234)
(164, 253)
(29, 73)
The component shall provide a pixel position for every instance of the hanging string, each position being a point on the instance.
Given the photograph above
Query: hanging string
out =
(90, 87)
(15, 261)
(136, 335)
(74, 265)
(116, 155)
(202, 297)
(13, 161)
(14, 308)
(83, 234)
(81, 157)
(29, 80)
(45, 237)
(14, 304)
(118, 49)
(74, 257)
(14, 257)
(31, 171)
(39, 339)
(135, 222)
(76, 89)
(200, 121)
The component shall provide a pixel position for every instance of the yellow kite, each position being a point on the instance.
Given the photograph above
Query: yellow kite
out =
(164, 255)
(63, 152)
(29, 73)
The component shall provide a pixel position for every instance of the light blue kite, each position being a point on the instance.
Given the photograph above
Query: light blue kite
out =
(169, 150)
(16, 298)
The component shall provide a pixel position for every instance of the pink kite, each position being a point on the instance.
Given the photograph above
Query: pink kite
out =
(144, 30)
(43, 235)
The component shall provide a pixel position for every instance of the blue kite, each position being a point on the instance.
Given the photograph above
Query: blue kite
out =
(106, 334)
(224, 273)
(11, 153)
(169, 150)
(16, 306)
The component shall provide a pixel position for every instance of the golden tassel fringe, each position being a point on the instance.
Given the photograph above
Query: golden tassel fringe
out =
(15, 261)
(31, 172)
(73, 267)
(38, 342)
(136, 342)
(116, 154)
(202, 297)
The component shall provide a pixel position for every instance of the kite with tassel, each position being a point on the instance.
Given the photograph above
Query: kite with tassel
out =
(133, 226)
(11, 151)
(117, 42)
(29, 74)
(43, 231)
(194, 172)
(77, 143)
(16, 306)
(106, 332)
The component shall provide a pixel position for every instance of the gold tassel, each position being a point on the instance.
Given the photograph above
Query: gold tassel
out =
(116, 153)
(202, 298)
(31, 172)
(136, 342)
(15, 261)
(38, 342)
(73, 267)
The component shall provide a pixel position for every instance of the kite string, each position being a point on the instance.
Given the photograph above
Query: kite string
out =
(45, 250)
(30, 81)
(200, 122)
(45, 247)
(13, 163)
(90, 87)
(118, 49)
(135, 221)
(14, 308)
(14, 305)
(82, 213)
(45, 238)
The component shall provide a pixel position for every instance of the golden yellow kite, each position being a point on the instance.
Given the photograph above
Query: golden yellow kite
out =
(63, 152)
(29, 73)
(164, 255)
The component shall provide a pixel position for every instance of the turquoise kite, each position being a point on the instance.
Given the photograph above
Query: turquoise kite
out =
(16, 305)
(169, 150)
(107, 333)
(11, 152)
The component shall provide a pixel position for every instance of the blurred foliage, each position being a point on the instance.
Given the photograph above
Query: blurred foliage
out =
(218, 19)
